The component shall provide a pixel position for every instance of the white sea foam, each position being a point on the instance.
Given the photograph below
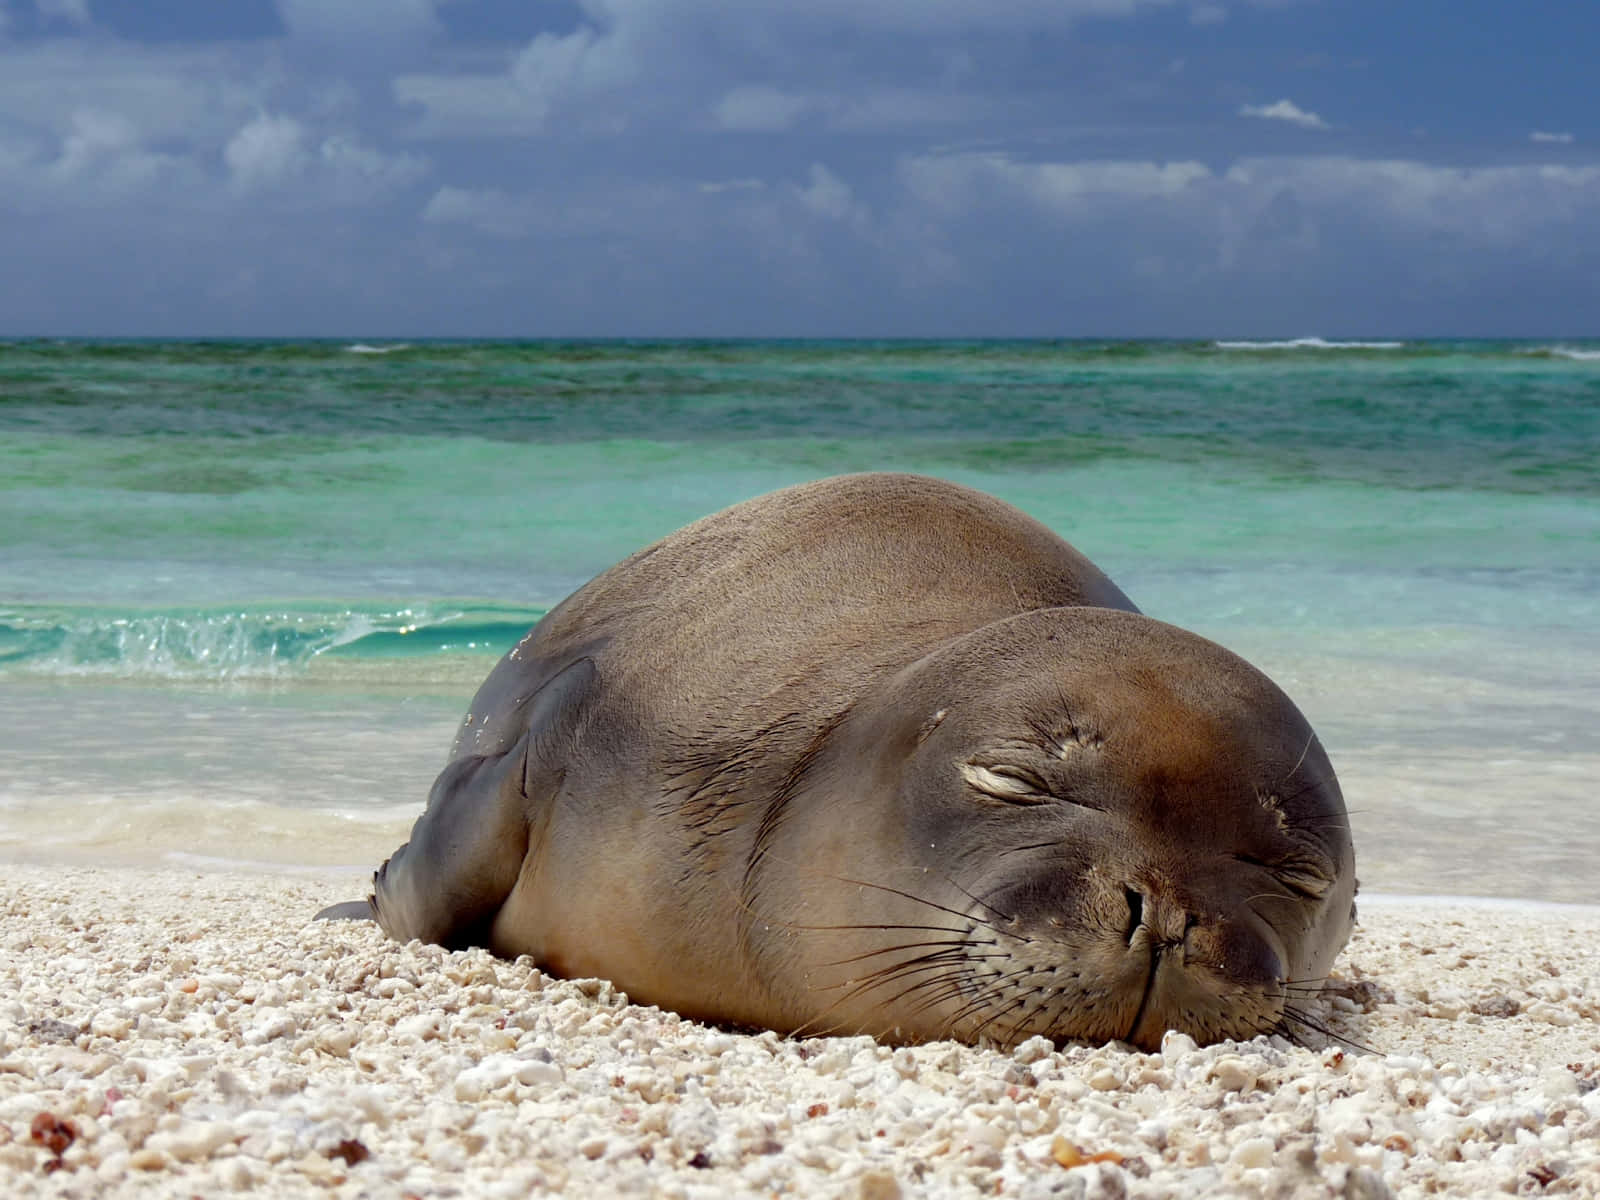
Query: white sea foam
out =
(1308, 343)
(1571, 352)
(212, 646)
(363, 348)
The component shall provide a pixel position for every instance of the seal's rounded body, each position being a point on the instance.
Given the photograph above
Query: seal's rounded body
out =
(882, 754)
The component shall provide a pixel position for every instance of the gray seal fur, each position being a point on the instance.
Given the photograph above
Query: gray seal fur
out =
(882, 754)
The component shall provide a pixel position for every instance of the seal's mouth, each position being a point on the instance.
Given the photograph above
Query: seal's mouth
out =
(1131, 933)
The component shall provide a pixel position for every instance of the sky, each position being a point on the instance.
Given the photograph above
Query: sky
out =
(799, 168)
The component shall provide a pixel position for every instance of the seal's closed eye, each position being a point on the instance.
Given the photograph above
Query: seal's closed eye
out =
(1003, 781)
(1301, 876)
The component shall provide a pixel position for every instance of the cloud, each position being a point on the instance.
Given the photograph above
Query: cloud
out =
(552, 73)
(183, 95)
(489, 211)
(780, 220)
(713, 187)
(467, 106)
(74, 12)
(102, 161)
(360, 173)
(104, 157)
(275, 154)
(1348, 227)
(689, 169)
(569, 210)
(956, 183)
(873, 108)
(359, 21)
(1488, 205)
(98, 123)
(95, 137)
(268, 152)
(759, 109)
(761, 66)
(1271, 242)
(1284, 110)
(826, 195)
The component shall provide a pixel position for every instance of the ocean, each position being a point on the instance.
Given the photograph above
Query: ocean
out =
(248, 588)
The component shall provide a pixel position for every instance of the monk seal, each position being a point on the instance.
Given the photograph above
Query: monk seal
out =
(883, 754)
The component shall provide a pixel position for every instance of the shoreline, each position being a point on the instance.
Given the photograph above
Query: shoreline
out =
(202, 1035)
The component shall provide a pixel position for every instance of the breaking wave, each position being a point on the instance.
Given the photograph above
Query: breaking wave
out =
(209, 645)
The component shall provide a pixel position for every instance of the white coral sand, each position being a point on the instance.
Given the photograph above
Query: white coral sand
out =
(167, 1033)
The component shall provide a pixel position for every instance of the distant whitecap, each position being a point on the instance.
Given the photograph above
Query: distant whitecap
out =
(1572, 352)
(1308, 343)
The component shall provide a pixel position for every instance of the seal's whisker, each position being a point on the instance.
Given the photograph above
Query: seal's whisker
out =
(745, 907)
(889, 975)
(1004, 916)
(1048, 738)
(947, 977)
(749, 910)
(1308, 981)
(925, 962)
(977, 1032)
(1027, 1013)
(1303, 995)
(1267, 1026)
(1289, 774)
(989, 991)
(814, 1028)
(953, 988)
(1300, 1017)
(1030, 846)
(1311, 786)
(1320, 826)
(883, 887)
(938, 990)
(797, 925)
(1066, 715)
(978, 900)
(855, 958)
(992, 989)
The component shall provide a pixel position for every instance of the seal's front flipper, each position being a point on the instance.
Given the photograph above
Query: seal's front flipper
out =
(350, 910)
(466, 850)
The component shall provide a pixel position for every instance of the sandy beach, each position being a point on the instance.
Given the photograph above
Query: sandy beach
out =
(167, 1032)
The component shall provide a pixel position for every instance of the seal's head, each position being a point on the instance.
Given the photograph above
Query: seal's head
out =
(1103, 827)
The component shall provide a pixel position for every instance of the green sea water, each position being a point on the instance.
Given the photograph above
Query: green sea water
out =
(266, 576)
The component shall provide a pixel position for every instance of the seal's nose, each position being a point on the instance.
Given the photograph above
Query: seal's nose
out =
(1165, 921)
(1135, 913)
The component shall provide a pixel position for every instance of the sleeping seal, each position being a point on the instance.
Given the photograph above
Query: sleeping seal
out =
(882, 754)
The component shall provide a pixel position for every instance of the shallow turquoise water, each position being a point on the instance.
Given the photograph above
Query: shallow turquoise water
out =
(318, 548)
